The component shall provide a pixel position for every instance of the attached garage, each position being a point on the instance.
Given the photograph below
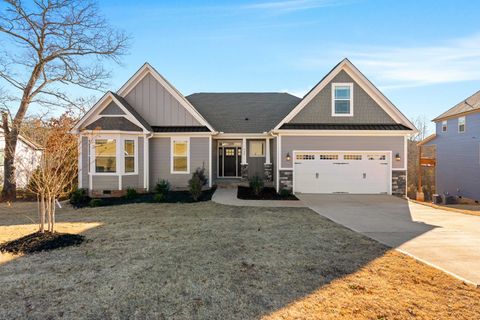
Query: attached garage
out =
(354, 172)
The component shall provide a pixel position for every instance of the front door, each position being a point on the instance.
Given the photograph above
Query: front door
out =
(229, 162)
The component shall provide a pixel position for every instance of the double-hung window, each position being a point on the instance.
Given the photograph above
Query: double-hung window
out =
(129, 156)
(342, 99)
(105, 155)
(461, 124)
(444, 126)
(180, 155)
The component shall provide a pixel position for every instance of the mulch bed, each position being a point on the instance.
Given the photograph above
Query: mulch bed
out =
(37, 241)
(171, 197)
(246, 193)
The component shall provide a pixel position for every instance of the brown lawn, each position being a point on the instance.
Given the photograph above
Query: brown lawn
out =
(209, 261)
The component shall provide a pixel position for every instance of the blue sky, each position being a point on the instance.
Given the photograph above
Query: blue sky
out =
(424, 55)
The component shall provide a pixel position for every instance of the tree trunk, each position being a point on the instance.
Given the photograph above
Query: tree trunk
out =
(9, 182)
(53, 215)
(42, 213)
(9, 192)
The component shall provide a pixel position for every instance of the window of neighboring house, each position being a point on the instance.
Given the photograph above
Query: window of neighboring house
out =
(180, 155)
(257, 148)
(106, 155)
(461, 124)
(444, 126)
(342, 99)
(129, 155)
(2, 152)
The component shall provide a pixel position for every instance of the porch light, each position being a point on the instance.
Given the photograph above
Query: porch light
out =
(397, 157)
(288, 156)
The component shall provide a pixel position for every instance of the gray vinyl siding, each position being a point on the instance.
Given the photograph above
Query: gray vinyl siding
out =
(365, 109)
(136, 180)
(156, 105)
(85, 163)
(160, 161)
(112, 109)
(394, 144)
(104, 182)
(458, 158)
(255, 164)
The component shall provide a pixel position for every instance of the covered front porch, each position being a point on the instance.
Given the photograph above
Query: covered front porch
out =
(237, 159)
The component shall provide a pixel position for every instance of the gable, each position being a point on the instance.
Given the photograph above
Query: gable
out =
(113, 123)
(112, 109)
(116, 108)
(345, 70)
(365, 109)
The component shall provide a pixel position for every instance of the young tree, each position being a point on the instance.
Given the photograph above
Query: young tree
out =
(51, 43)
(56, 176)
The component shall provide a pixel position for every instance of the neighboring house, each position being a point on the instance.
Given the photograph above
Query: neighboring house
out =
(344, 136)
(457, 141)
(27, 158)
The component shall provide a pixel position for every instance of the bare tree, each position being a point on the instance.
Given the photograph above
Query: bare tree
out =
(51, 43)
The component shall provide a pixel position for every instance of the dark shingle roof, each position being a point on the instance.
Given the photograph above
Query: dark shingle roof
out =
(180, 129)
(336, 126)
(472, 103)
(243, 112)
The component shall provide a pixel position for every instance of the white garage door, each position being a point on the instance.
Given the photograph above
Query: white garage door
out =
(341, 172)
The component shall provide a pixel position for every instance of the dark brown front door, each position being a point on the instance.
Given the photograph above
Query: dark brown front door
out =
(229, 162)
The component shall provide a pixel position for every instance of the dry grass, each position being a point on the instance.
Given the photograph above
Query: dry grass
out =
(208, 261)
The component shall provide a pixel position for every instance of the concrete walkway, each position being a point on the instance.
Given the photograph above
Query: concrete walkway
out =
(447, 240)
(228, 196)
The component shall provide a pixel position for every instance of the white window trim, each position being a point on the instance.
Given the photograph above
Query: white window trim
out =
(250, 149)
(444, 126)
(120, 155)
(135, 155)
(464, 124)
(172, 140)
(350, 85)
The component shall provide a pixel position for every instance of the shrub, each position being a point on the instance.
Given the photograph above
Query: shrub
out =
(96, 203)
(200, 172)
(195, 186)
(162, 187)
(256, 183)
(159, 197)
(79, 197)
(131, 194)
(285, 192)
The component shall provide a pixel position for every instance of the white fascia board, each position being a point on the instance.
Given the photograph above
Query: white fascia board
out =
(91, 112)
(241, 135)
(148, 69)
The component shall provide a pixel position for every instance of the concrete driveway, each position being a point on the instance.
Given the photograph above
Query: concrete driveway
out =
(447, 240)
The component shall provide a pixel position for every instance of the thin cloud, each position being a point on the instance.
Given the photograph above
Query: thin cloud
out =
(295, 5)
(402, 67)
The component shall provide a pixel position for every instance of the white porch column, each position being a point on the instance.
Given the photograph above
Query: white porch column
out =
(244, 151)
(267, 151)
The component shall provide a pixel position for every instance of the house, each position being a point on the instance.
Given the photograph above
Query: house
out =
(27, 158)
(457, 144)
(344, 136)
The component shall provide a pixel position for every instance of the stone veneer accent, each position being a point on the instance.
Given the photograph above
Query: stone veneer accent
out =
(399, 183)
(113, 193)
(244, 171)
(286, 180)
(268, 171)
